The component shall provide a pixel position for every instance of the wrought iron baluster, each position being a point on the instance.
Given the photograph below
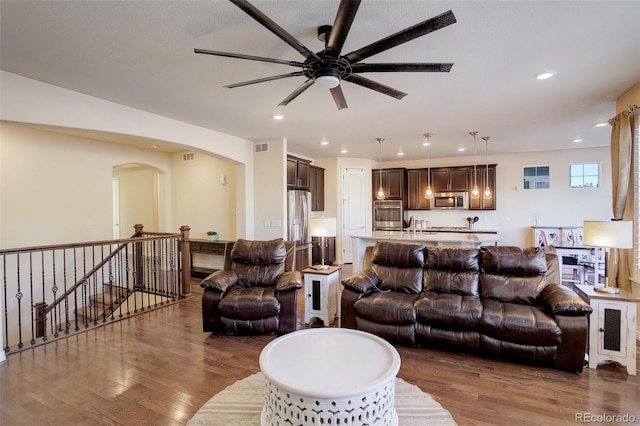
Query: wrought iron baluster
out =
(32, 302)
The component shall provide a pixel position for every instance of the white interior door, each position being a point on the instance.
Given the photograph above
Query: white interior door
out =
(354, 209)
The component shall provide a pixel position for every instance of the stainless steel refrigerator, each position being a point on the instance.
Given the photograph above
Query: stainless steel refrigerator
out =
(298, 212)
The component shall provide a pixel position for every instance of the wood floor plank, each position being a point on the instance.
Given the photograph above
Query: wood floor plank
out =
(159, 368)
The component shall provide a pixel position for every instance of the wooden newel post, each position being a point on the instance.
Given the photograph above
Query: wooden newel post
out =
(40, 318)
(138, 262)
(186, 261)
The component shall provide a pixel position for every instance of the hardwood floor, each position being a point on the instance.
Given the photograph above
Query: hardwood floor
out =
(159, 368)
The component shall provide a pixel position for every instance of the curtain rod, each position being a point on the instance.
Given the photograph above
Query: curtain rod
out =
(631, 109)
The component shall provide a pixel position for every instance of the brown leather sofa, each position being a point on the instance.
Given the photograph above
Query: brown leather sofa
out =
(257, 295)
(497, 301)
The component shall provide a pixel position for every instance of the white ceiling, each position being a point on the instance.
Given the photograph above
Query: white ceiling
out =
(140, 54)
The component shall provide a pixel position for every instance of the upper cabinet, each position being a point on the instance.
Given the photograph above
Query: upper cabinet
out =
(298, 173)
(417, 181)
(394, 183)
(481, 177)
(316, 186)
(449, 179)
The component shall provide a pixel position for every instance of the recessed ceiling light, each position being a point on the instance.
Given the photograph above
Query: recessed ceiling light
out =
(425, 143)
(324, 142)
(601, 124)
(278, 116)
(460, 149)
(400, 154)
(545, 75)
(344, 151)
(576, 140)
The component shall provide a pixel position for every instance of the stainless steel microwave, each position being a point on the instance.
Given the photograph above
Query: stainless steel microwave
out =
(450, 200)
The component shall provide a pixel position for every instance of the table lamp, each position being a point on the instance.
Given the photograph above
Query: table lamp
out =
(322, 227)
(608, 234)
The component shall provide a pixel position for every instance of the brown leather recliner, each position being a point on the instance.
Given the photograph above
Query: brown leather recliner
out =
(258, 295)
(503, 302)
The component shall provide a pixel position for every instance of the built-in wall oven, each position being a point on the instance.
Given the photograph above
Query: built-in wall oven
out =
(387, 215)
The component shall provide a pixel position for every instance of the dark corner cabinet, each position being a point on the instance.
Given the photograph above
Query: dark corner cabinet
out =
(394, 183)
(298, 173)
(329, 250)
(316, 186)
(449, 179)
(481, 177)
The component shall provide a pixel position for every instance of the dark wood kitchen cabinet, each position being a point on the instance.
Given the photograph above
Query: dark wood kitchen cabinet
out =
(481, 176)
(449, 179)
(298, 173)
(316, 186)
(394, 183)
(417, 182)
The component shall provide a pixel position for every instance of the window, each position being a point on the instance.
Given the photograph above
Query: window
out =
(537, 177)
(584, 175)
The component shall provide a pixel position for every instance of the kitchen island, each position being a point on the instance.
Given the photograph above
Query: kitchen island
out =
(433, 239)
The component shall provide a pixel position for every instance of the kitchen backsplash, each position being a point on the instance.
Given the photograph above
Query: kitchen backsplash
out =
(487, 220)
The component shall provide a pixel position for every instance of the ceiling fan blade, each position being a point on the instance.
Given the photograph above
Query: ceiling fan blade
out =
(401, 67)
(266, 22)
(304, 86)
(262, 80)
(374, 85)
(250, 57)
(338, 97)
(342, 24)
(408, 34)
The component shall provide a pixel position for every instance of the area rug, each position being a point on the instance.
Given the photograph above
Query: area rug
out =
(240, 404)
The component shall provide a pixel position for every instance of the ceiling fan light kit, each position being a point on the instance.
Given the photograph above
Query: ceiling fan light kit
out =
(328, 68)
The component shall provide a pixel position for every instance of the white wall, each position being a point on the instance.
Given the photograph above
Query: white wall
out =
(518, 209)
(30, 101)
(57, 188)
(270, 185)
(201, 199)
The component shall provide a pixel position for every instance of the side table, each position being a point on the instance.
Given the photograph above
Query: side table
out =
(321, 288)
(612, 327)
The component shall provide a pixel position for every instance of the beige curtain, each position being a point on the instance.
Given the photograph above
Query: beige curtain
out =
(621, 260)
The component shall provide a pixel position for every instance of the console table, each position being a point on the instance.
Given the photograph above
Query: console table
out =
(218, 248)
(612, 327)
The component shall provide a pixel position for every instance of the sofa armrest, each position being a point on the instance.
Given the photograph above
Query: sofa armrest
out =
(289, 280)
(219, 281)
(364, 282)
(563, 301)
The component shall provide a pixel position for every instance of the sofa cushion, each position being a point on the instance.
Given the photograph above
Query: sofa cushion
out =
(452, 270)
(398, 266)
(523, 324)
(387, 308)
(512, 274)
(404, 334)
(249, 303)
(258, 262)
(447, 310)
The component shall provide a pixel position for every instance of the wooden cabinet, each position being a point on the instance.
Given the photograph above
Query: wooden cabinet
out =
(316, 186)
(329, 250)
(481, 176)
(417, 182)
(394, 183)
(298, 173)
(449, 179)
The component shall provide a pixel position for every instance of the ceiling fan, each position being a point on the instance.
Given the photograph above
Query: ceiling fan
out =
(328, 67)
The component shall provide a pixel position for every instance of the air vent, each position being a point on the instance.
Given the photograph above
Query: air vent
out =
(262, 147)
(188, 156)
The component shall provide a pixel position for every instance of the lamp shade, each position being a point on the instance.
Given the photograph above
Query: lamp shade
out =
(610, 234)
(322, 226)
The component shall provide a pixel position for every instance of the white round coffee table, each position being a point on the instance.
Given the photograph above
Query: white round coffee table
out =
(329, 376)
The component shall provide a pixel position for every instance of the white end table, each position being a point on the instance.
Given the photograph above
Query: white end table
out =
(329, 376)
(321, 291)
(612, 327)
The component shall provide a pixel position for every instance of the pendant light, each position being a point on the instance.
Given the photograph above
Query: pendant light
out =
(380, 194)
(475, 193)
(487, 191)
(428, 194)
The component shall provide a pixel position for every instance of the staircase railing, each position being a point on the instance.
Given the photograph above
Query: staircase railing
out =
(55, 291)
